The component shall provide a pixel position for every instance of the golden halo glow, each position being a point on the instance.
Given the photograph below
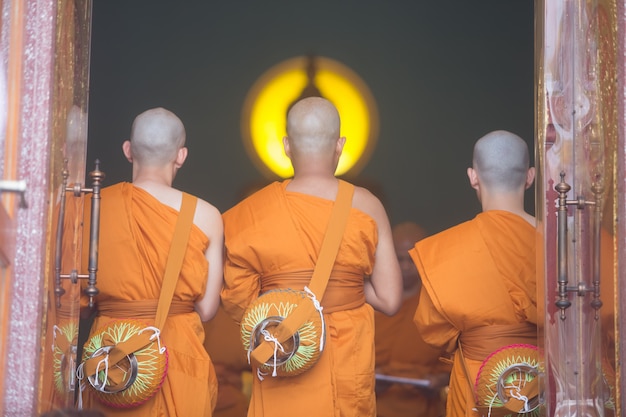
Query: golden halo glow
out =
(265, 110)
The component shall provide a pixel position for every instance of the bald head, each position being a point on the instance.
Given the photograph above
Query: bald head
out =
(156, 136)
(313, 126)
(501, 161)
(407, 232)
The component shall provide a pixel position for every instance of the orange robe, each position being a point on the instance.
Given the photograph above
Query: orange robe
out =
(477, 274)
(223, 342)
(275, 231)
(135, 232)
(401, 351)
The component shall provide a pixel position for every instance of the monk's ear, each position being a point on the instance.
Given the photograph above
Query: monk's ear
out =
(340, 144)
(127, 151)
(181, 156)
(530, 177)
(473, 178)
(286, 147)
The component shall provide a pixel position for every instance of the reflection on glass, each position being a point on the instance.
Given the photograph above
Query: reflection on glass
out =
(576, 128)
(61, 341)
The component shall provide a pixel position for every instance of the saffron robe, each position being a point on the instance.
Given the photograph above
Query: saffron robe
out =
(136, 230)
(476, 274)
(275, 232)
(401, 351)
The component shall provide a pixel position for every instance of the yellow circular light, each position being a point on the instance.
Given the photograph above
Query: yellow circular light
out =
(265, 111)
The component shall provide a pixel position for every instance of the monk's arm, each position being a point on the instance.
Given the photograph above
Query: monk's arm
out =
(211, 224)
(383, 290)
(434, 328)
(241, 287)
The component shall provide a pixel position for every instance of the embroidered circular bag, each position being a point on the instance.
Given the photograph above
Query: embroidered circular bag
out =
(136, 377)
(296, 354)
(506, 384)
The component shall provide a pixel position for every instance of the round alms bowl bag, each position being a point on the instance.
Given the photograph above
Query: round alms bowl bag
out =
(298, 353)
(506, 384)
(137, 376)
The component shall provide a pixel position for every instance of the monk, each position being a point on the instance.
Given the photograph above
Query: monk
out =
(272, 241)
(400, 349)
(479, 285)
(136, 227)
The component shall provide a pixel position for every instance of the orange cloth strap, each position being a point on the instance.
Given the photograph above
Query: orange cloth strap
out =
(172, 270)
(175, 257)
(481, 342)
(118, 352)
(141, 309)
(332, 239)
(321, 274)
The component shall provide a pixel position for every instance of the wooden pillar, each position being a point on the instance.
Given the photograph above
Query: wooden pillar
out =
(621, 208)
(27, 45)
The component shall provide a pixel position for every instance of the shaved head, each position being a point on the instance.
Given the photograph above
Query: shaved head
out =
(313, 126)
(501, 161)
(405, 235)
(156, 136)
(408, 231)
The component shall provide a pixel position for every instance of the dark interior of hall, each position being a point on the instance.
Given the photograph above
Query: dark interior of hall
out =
(442, 73)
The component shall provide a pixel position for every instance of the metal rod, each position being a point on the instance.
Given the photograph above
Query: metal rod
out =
(97, 176)
(58, 255)
(563, 302)
(596, 303)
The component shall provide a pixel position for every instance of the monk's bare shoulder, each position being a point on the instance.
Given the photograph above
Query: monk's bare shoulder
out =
(208, 219)
(369, 204)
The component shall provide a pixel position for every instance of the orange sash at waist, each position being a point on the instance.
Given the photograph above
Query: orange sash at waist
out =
(343, 292)
(480, 342)
(141, 309)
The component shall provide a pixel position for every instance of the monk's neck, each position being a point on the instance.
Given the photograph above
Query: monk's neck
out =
(324, 186)
(500, 201)
(153, 176)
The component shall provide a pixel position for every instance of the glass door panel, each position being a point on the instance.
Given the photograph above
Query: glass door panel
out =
(576, 136)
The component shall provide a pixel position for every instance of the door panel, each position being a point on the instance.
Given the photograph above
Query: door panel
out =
(59, 387)
(576, 154)
(44, 46)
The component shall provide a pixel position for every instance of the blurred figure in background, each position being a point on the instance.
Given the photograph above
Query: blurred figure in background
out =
(400, 350)
(234, 379)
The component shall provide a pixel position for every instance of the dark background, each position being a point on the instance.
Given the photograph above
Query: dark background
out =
(443, 73)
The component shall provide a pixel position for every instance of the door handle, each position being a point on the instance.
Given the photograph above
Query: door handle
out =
(91, 290)
(563, 302)
(15, 186)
